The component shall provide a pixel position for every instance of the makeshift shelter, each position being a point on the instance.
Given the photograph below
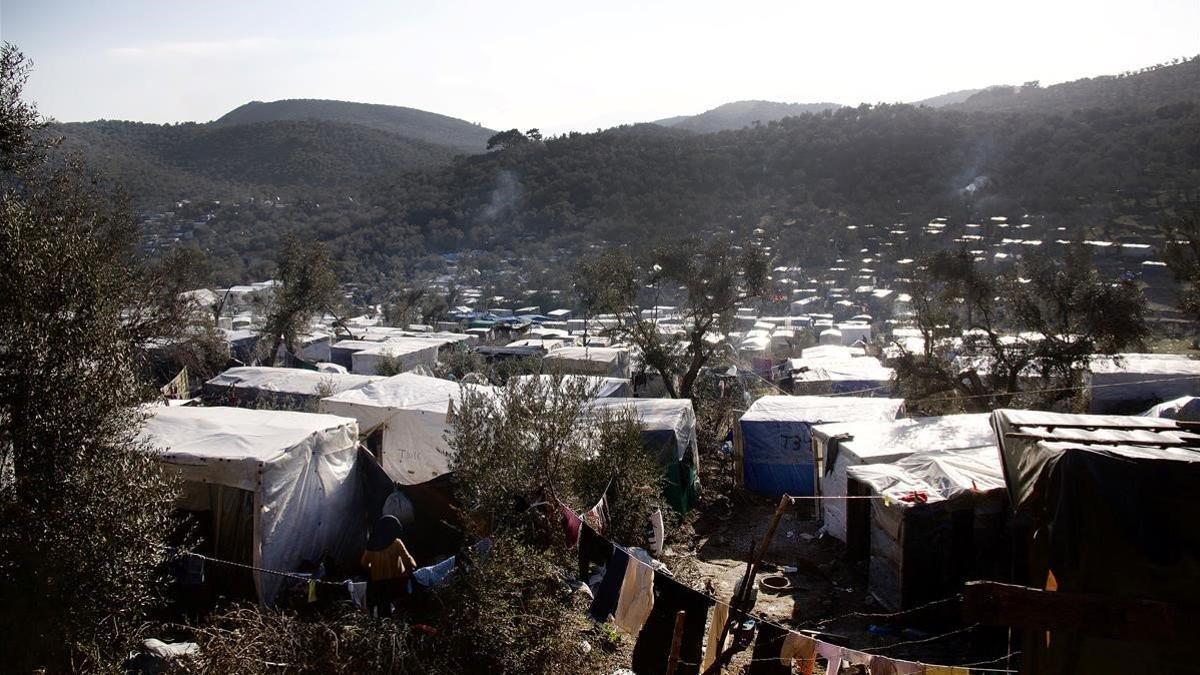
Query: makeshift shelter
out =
(405, 353)
(1184, 408)
(861, 376)
(1130, 383)
(278, 388)
(604, 387)
(605, 361)
(1111, 499)
(404, 419)
(275, 489)
(940, 520)
(843, 445)
(773, 440)
(669, 433)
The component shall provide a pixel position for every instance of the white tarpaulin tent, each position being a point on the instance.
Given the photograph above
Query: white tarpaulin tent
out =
(298, 470)
(1134, 382)
(410, 413)
(283, 385)
(408, 353)
(849, 444)
(604, 361)
(604, 387)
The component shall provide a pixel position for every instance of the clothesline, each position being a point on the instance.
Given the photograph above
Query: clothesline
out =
(291, 575)
(631, 559)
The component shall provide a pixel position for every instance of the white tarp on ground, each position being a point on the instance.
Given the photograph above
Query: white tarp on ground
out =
(661, 415)
(604, 387)
(412, 412)
(301, 469)
(850, 444)
(251, 382)
(604, 361)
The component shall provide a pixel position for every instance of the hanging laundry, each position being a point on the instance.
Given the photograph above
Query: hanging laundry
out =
(946, 670)
(851, 657)
(653, 645)
(768, 647)
(597, 516)
(636, 598)
(592, 549)
(571, 524)
(799, 653)
(881, 665)
(713, 646)
(433, 575)
(655, 534)
(608, 593)
(832, 655)
(357, 590)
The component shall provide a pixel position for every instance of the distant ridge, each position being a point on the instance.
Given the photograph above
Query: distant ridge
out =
(741, 114)
(410, 123)
(949, 98)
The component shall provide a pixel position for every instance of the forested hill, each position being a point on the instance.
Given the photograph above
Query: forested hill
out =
(740, 114)
(160, 163)
(407, 122)
(1148, 88)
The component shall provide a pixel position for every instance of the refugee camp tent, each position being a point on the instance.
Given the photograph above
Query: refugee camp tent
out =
(670, 433)
(604, 387)
(275, 488)
(404, 419)
(1184, 408)
(940, 521)
(405, 353)
(605, 361)
(278, 388)
(861, 376)
(1133, 382)
(1113, 498)
(773, 441)
(842, 445)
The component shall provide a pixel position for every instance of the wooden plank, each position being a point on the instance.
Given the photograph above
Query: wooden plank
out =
(676, 642)
(998, 604)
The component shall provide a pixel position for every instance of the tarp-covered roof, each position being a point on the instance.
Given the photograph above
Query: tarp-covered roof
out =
(294, 381)
(816, 409)
(913, 434)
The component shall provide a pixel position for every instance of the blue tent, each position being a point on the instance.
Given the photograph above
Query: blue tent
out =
(774, 439)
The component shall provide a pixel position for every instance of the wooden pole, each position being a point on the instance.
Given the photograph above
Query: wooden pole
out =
(676, 642)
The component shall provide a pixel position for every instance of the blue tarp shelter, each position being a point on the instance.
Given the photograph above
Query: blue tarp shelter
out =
(773, 444)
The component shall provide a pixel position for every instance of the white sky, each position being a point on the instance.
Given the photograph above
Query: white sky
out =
(566, 65)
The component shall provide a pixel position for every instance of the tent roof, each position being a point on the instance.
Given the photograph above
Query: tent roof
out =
(1186, 408)
(940, 474)
(815, 409)
(199, 435)
(1031, 441)
(654, 413)
(289, 380)
(912, 435)
(602, 385)
(603, 354)
(831, 369)
(406, 391)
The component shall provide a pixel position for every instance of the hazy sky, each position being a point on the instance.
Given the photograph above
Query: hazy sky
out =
(562, 65)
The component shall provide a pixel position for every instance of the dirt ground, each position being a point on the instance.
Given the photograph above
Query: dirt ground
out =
(829, 596)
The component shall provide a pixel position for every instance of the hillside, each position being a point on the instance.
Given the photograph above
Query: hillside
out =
(949, 98)
(1145, 89)
(161, 163)
(407, 122)
(741, 114)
